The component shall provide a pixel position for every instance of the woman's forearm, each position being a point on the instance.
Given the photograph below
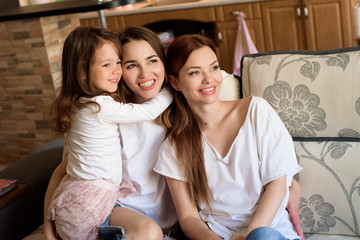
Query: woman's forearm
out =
(188, 215)
(269, 205)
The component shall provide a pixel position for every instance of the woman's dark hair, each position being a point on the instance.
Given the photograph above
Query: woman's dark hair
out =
(184, 132)
(78, 52)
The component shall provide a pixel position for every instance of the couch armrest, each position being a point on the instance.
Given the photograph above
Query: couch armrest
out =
(24, 215)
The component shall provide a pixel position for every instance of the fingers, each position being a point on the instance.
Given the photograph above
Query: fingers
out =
(297, 223)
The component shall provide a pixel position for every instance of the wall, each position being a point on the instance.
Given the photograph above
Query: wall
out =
(30, 55)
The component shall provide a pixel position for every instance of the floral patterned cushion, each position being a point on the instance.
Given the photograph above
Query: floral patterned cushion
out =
(311, 91)
(330, 182)
(317, 96)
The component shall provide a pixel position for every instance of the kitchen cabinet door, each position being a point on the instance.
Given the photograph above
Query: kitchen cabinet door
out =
(328, 24)
(196, 14)
(307, 24)
(283, 25)
(114, 23)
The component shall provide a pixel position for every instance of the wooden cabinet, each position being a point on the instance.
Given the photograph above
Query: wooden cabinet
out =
(206, 14)
(307, 24)
(355, 33)
(224, 22)
(118, 23)
(227, 27)
(273, 25)
(114, 23)
(328, 24)
(283, 28)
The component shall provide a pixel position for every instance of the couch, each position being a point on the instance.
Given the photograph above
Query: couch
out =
(316, 94)
(23, 216)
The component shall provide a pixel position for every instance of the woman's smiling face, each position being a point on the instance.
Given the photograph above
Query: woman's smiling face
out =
(200, 78)
(143, 71)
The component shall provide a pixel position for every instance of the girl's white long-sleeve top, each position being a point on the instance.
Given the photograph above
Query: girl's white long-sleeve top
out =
(94, 140)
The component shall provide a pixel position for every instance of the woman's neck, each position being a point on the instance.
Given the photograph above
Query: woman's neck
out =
(208, 115)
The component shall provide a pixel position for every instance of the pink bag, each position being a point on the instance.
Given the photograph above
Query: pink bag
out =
(244, 44)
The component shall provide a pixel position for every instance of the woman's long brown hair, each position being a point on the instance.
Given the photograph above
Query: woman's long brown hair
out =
(185, 133)
(78, 51)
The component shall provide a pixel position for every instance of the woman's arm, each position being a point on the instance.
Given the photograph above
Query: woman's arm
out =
(273, 196)
(189, 219)
(58, 174)
(293, 206)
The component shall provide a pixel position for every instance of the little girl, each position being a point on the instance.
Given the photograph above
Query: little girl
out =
(88, 111)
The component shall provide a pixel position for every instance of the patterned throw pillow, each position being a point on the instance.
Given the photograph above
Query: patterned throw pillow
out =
(317, 96)
(330, 186)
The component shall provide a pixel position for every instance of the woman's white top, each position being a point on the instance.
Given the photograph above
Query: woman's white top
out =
(262, 151)
(93, 139)
(140, 143)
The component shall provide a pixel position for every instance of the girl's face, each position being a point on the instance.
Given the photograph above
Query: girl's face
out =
(200, 78)
(143, 71)
(105, 68)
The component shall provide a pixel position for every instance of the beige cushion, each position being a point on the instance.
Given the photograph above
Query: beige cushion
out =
(330, 184)
(330, 237)
(230, 87)
(315, 95)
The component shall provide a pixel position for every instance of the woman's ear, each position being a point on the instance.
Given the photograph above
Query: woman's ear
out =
(173, 82)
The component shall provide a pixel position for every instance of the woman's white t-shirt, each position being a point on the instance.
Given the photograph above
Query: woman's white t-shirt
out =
(140, 143)
(262, 151)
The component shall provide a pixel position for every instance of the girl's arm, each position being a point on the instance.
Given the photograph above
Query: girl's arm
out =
(130, 113)
(189, 219)
(273, 196)
(58, 174)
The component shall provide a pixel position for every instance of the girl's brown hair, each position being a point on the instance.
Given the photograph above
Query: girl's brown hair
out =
(78, 51)
(184, 132)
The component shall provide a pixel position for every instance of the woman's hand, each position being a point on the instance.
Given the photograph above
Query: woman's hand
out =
(49, 230)
(188, 215)
(56, 177)
(237, 236)
(293, 206)
(273, 196)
